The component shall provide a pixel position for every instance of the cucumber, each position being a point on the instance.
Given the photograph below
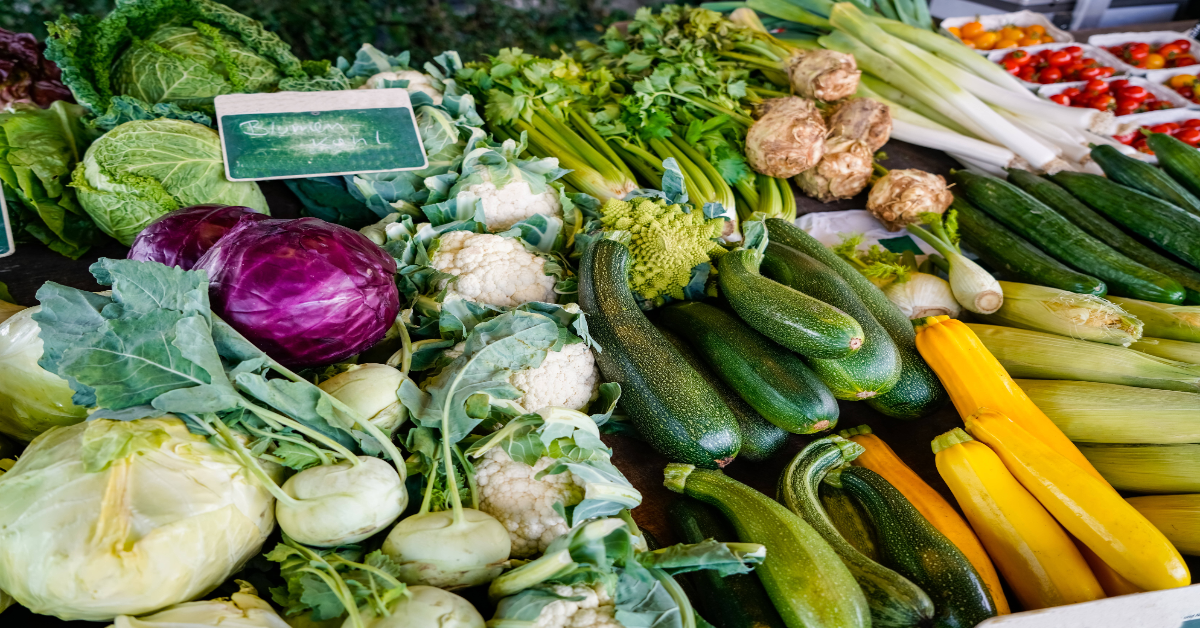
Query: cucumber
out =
(773, 380)
(895, 602)
(1164, 224)
(1139, 175)
(793, 319)
(919, 392)
(909, 544)
(1062, 240)
(1100, 228)
(872, 370)
(670, 404)
(1180, 161)
(1014, 257)
(803, 576)
(760, 438)
(849, 519)
(737, 601)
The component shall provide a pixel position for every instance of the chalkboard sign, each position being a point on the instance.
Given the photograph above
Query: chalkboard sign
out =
(6, 235)
(286, 135)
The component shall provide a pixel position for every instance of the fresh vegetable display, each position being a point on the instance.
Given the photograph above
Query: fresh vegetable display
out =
(1054, 66)
(441, 397)
(1139, 54)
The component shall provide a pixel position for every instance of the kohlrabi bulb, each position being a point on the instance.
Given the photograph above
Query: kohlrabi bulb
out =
(423, 607)
(339, 504)
(370, 389)
(433, 550)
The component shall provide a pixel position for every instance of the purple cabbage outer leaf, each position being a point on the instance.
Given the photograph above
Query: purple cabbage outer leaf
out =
(181, 237)
(26, 75)
(304, 291)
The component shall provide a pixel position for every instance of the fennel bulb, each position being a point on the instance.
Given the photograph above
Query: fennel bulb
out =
(923, 295)
(974, 288)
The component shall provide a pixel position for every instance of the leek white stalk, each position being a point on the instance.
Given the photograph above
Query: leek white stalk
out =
(1080, 316)
(973, 287)
(868, 84)
(904, 129)
(979, 166)
(1037, 137)
(1074, 117)
(923, 295)
(955, 52)
(846, 16)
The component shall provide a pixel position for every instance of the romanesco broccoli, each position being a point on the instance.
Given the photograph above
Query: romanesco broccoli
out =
(666, 242)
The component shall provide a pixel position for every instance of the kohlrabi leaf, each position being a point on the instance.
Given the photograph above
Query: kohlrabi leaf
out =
(725, 558)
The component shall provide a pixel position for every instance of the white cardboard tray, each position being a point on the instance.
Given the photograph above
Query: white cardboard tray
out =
(998, 20)
(1154, 38)
(1120, 68)
(1161, 92)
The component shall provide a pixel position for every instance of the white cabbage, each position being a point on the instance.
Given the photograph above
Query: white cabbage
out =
(340, 504)
(32, 399)
(243, 609)
(110, 518)
(5, 601)
(425, 607)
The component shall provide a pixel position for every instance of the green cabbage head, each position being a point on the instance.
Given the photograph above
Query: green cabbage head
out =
(32, 399)
(109, 518)
(190, 65)
(146, 168)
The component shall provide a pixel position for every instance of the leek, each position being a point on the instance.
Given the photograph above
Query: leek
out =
(1163, 320)
(884, 91)
(1088, 412)
(1080, 316)
(1177, 350)
(954, 51)
(1038, 355)
(974, 288)
(943, 139)
(846, 17)
(1147, 468)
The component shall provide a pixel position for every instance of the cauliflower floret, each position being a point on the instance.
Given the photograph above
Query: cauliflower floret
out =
(506, 206)
(567, 378)
(595, 610)
(417, 82)
(492, 269)
(509, 492)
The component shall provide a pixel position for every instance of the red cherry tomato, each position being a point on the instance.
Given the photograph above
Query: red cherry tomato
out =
(1169, 51)
(1159, 105)
(1119, 83)
(1086, 74)
(1104, 102)
(1026, 73)
(1141, 45)
(1193, 123)
(1105, 71)
(1135, 93)
(1183, 60)
(1050, 75)
(1134, 54)
(1189, 136)
(1061, 99)
(1072, 92)
(1165, 127)
(1125, 107)
(1011, 66)
(1127, 138)
(1096, 86)
(1059, 58)
(1183, 44)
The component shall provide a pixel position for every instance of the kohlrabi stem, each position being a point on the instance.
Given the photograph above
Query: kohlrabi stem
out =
(406, 346)
(469, 472)
(367, 426)
(250, 463)
(266, 414)
(317, 451)
(448, 457)
(337, 586)
(427, 499)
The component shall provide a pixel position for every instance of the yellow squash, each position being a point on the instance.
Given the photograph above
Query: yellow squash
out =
(1178, 516)
(880, 458)
(1036, 556)
(1087, 507)
(975, 379)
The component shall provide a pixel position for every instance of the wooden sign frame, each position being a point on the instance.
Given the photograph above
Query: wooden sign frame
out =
(359, 101)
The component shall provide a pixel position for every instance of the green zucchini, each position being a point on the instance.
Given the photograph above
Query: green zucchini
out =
(737, 601)
(872, 370)
(895, 602)
(1015, 258)
(919, 392)
(809, 586)
(909, 544)
(773, 380)
(1139, 175)
(1062, 240)
(795, 320)
(1164, 224)
(849, 519)
(670, 404)
(761, 439)
(1180, 161)
(1100, 228)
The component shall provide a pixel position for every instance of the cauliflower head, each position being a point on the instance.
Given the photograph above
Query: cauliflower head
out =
(666, 242)
(596, 610)
(515, 201)
(509, 492)
(417, 82)
(492, 269)
(567, 378)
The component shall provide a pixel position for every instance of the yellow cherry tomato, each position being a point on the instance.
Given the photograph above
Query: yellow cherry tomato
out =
(1181, 80)
(1154, 61)
(1036, 29)
(971, 30)
(1046, 39)
(956, 31)
(969, 43)
(1011, 32)
(1004, 43)
(986, 40)
(1030, 40)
